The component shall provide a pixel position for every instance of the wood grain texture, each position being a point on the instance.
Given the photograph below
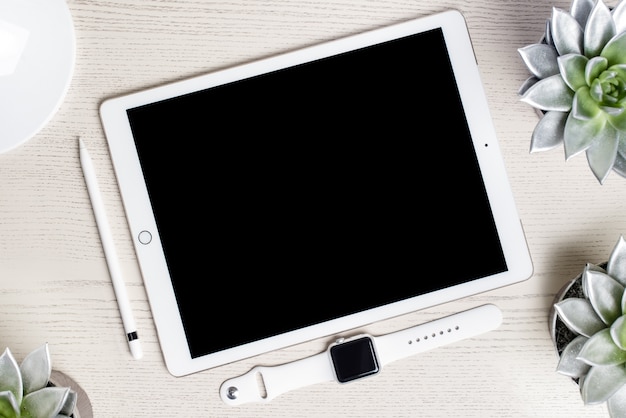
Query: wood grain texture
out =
(55, 284)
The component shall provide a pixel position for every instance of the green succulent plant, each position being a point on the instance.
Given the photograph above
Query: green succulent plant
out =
(578, 83)
(596, 356)
(25, 391)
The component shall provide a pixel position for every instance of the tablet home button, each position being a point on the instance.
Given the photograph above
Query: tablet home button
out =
(145, 237)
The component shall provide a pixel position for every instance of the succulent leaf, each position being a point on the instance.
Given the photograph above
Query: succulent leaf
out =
(567, 34)
(607, 104)
(617, 403)
(527, 84)
(540, 59)
(548, 133)
(601, 383)
(616, 265)
(11, 377)
(599, 29)
(620, 160)
(8, 405)
(43, 403)
(613, 113)
(605, 295)
(584, 106)
(596, 92)
(617, 119)
(36, 368)
(589, 266)
(70, 404)
(619, 69)
(594, 68)
(601, 350)
(579, 316)
(580, 10)
(548, 33)
(572, 69)
(618, 332)
(569, 363)
(579, 134)
(601, 156)
(550, 93)
(614, 50)
(619, 17)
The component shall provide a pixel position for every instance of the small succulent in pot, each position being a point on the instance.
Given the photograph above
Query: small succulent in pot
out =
(25, 390)
(578, 84)
(596, 355)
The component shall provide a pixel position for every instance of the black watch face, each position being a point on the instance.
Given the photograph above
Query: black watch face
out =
(354, 359)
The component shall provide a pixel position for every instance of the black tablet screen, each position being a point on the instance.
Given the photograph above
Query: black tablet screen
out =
(317, 191)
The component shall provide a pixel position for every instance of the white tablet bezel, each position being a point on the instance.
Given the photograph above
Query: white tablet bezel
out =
(151, 257)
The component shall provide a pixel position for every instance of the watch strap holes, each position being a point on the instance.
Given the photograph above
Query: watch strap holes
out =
(434, 334)
(260, 383)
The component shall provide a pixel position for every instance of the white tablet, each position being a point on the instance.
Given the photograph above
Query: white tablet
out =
(320, 190)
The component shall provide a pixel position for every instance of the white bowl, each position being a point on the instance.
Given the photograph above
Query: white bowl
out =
(37, 55)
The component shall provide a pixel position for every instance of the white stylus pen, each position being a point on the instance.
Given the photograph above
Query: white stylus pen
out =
(109, 252)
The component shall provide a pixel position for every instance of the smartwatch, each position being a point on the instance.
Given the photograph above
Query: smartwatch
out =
(356, 357)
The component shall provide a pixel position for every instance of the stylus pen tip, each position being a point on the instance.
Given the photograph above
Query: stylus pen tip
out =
(135, 349)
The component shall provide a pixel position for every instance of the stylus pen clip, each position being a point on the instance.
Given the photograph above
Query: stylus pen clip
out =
(110, 254)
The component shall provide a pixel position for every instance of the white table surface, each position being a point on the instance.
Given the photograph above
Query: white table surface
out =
(55, 283)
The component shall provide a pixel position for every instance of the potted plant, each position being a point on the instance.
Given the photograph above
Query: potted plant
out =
(578, 85)
(26, 390)
(588, 327)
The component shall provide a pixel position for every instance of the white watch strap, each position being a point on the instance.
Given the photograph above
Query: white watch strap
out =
(262, 384)
(424, 337)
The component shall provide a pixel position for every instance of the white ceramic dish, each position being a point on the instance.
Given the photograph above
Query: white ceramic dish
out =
(37, 55)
